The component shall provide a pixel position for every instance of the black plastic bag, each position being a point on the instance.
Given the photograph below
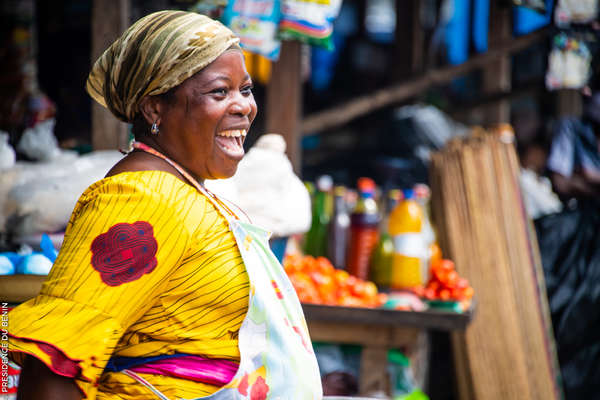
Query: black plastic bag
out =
(570, 248)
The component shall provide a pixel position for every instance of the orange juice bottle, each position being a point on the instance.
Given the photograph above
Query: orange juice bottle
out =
(410, 250)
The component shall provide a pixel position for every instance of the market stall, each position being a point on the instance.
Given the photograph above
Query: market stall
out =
(377, 262)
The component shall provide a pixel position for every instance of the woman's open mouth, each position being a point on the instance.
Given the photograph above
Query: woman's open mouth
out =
(231, 142)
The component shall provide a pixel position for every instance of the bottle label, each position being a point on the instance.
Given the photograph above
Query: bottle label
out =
(410, 245)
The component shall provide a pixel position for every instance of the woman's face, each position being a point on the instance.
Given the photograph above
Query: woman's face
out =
(204, 128)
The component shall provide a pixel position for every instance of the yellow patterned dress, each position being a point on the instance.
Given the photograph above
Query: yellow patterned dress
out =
(148, 267)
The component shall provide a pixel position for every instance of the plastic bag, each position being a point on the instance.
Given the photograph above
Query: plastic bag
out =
(7, 153)
(39, 197)
(255, 22)
(39, 143)
(267, 189)
(309, 21)
(570, 250)
(569, 63)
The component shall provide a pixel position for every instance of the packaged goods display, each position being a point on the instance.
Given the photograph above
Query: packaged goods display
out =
(390, 247)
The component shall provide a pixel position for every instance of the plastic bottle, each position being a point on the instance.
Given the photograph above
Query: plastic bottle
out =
(364, 230)
(339, 229)
(422, 196)
(316, 237)
(410, 251)
(381, 260)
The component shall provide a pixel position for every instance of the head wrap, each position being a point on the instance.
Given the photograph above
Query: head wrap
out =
(155, 54)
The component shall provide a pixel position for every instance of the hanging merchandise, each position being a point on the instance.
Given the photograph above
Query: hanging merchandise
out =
(259, 67)
(536, 5)
(255, 22)
(569, 63)
(310, 21)
(481, 22)
(211, 8)
(457, 32)
(380, 21)
(526, 20)
(575, 12)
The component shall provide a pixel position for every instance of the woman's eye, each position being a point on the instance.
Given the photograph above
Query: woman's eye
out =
(247, 89)
(219, 91)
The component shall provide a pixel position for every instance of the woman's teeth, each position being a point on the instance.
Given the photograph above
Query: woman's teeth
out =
(233, 133)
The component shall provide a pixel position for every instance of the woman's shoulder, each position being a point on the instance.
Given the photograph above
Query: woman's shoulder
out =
(154, 188)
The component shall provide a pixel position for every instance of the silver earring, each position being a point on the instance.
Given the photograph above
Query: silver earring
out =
(154, 129)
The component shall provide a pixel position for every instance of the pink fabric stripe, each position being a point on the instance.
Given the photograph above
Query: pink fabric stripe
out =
(194, 368)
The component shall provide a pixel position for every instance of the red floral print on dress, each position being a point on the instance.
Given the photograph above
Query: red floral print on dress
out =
(243, 386)
(259, 389)
(124, 253)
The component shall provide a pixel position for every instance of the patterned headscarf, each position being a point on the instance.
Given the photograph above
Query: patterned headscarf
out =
(155, 54)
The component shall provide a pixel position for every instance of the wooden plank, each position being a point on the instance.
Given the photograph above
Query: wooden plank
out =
(343, 113)
(361, 334)
(107, 25)
(20, 288)
(430, 319)
(284, 100)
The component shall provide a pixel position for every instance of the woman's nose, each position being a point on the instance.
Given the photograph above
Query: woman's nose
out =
(242, 105)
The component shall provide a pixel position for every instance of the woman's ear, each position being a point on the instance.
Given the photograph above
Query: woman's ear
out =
(151, 108)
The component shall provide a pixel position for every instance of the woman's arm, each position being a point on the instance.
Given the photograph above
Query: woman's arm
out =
(38, 382)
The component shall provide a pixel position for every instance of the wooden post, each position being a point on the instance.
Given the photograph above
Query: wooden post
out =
(408, 46)
(497, 75)
(284, 100)
(108, 22)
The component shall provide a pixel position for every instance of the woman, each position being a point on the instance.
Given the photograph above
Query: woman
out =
(159, 289)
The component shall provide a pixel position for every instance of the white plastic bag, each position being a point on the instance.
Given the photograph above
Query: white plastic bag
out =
(267, 189)
(39, 143)
(7, 153)
(39, 197)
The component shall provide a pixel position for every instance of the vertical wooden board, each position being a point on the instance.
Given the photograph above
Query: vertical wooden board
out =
(107, 25)
(284, 100)
(494, 346)
(374, 377)
(529, 286)
(485, 229)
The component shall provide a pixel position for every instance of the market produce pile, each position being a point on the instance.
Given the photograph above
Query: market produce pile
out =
(445, 283)
(317, 282)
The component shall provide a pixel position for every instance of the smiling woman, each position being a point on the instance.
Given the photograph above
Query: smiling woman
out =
(160, 289)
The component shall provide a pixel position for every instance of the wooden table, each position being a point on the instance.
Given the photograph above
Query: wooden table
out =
(376, 330)
(379, 330)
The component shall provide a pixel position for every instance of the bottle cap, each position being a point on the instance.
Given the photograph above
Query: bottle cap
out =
(408, 194)
(339, 190)
(365, 184)
(421, 191)
(324, 183)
